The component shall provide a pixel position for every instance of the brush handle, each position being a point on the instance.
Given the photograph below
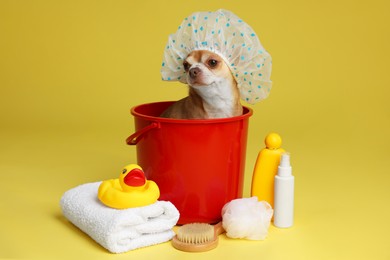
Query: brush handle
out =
(218, 229)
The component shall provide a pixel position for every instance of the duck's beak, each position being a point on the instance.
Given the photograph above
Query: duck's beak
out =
(135, 178)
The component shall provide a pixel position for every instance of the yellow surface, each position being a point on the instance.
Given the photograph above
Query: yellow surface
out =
(71, 70)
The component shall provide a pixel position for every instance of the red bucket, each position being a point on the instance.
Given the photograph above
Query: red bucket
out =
(197, 164)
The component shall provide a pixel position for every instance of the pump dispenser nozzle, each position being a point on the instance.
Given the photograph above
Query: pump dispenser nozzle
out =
(284, 168)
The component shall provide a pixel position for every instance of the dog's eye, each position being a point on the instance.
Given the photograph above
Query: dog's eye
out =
(212, 63)
(186, 65)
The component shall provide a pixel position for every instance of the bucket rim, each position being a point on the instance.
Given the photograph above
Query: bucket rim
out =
(248, 112)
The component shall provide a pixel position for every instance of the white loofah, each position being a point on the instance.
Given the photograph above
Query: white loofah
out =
(247, 218)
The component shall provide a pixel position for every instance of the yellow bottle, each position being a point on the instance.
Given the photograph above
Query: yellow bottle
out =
(266, 168)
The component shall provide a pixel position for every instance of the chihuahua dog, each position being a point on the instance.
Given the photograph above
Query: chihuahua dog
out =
(213, 91)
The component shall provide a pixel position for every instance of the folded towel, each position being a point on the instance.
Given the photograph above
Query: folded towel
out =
(118, 230)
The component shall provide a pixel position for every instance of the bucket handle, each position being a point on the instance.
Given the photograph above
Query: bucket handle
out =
(134, 138)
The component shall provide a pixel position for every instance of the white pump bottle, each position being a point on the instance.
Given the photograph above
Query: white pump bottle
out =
(284, 194)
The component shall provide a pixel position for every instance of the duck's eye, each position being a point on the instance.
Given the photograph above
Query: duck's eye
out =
(124, 171)
(186, 65)
(212, 63)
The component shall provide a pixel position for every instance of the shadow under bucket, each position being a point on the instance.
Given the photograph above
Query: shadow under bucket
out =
(197, 164)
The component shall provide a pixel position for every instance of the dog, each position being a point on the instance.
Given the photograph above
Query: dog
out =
(213, 91)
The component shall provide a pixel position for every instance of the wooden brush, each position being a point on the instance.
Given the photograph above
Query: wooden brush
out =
(197, 237)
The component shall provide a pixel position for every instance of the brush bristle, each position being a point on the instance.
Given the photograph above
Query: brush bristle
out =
(195, 233)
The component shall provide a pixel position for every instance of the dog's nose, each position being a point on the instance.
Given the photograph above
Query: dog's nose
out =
(194, 72)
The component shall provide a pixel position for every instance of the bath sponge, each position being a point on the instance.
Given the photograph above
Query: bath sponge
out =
(247, 218)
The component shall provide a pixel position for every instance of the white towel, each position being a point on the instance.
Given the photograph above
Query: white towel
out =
(118, 230)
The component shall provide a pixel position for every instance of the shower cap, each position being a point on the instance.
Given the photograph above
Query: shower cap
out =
(225, 34)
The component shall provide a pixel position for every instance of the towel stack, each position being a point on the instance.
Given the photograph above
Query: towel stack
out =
(118, 230)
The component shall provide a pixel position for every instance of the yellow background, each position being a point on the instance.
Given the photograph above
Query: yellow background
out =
(71, 70)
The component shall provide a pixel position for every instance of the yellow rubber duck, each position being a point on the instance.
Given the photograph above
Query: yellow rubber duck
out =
(130, 190)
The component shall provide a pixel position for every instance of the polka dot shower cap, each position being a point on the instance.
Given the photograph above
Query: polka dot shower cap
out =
(223, 33)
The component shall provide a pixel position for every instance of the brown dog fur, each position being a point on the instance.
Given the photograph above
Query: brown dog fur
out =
(213, 91)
